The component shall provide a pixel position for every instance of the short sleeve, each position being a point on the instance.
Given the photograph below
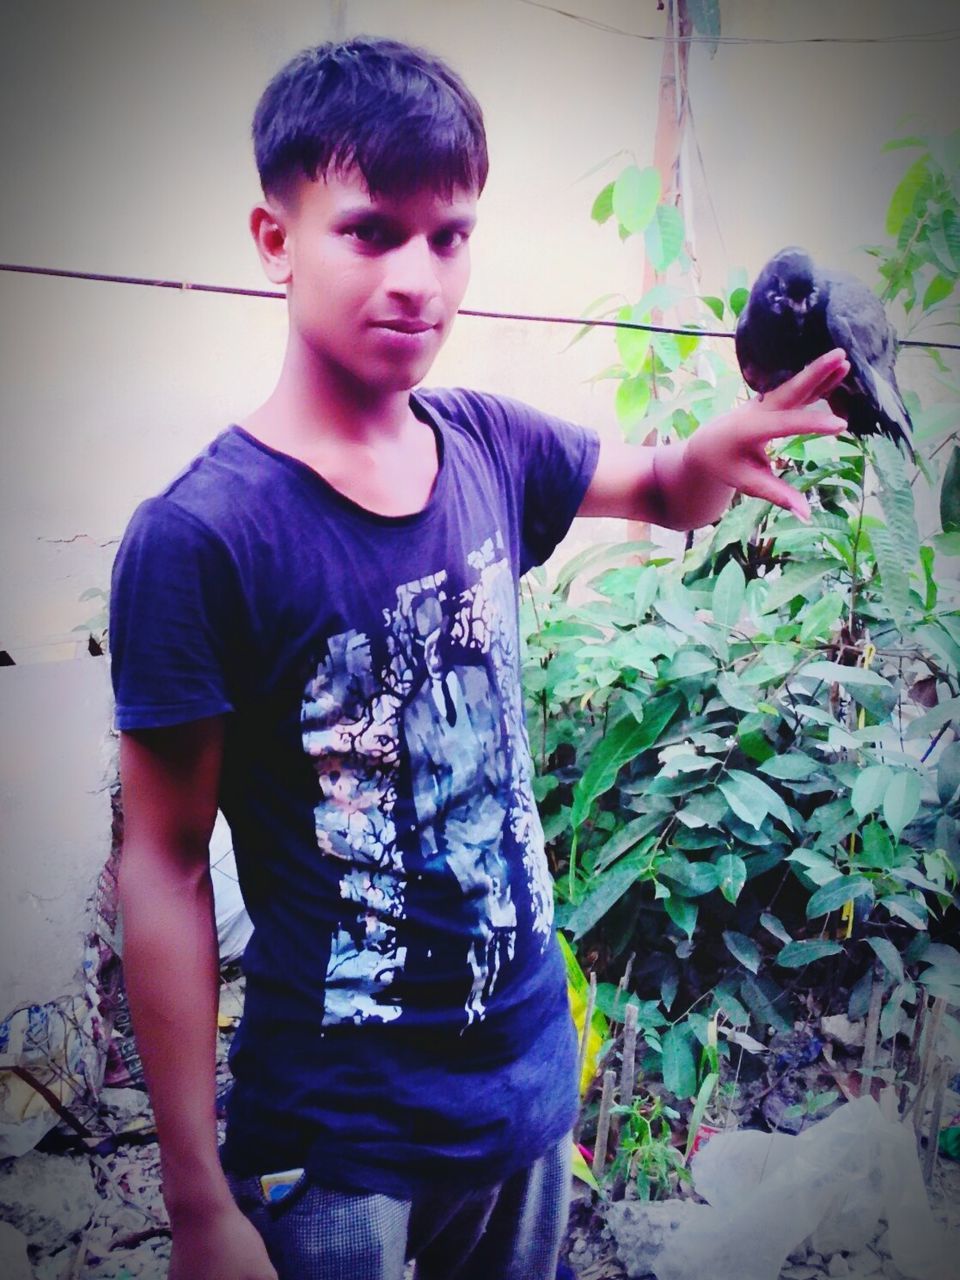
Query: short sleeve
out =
(174, 616)
(558, 459)
(546, 463)
(551, 462)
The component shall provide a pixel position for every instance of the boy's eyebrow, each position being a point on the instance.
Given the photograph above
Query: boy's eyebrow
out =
(367, 213)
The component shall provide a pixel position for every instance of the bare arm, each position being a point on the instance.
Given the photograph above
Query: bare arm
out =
(686, 485)
(170, 780)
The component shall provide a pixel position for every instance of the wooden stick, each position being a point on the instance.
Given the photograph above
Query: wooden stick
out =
(603, 1123)
(939, 1085)
(625, 978)
(871, 1034)
(931, 1036)
(912, 1068)
(628, 1060)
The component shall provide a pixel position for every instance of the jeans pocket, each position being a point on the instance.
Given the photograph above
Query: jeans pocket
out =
(258, 1203)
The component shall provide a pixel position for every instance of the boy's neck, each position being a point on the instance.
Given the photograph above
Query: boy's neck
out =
(313, 406)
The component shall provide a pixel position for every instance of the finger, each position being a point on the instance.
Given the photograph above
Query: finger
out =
(795, 422)
(813, 382)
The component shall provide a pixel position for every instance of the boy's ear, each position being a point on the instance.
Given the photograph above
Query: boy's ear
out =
(269, 231)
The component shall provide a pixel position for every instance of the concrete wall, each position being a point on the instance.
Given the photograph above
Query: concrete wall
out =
(56, 767)
(125, 150)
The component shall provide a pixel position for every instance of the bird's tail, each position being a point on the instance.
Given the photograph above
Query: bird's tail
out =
(892, 417)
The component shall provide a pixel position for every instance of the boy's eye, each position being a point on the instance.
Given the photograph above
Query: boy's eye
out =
(368, 233)
(451, 238)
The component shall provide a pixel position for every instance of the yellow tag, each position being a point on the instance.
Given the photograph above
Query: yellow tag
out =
(275, 1186)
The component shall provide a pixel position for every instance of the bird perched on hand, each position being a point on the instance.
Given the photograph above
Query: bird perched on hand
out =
(797, 312)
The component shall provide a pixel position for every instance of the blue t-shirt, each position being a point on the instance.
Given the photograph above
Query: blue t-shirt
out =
(406, 1019)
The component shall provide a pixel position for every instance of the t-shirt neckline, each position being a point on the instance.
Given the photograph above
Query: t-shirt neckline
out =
(311, 477)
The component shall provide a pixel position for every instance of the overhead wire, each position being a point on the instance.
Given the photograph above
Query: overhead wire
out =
(150, 282)
(911, 37)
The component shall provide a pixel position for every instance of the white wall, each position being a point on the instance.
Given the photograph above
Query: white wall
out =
(125, 149)
(56, 767)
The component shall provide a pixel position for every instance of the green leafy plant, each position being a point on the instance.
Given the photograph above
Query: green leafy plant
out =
(647, 1156)
(748, 764)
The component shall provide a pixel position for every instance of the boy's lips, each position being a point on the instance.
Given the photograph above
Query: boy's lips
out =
(404, 326)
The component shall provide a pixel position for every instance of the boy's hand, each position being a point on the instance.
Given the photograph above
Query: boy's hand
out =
(732, 449)
(223, 1245)
(689, 485)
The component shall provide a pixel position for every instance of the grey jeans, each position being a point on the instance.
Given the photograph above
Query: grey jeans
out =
(512, 1231)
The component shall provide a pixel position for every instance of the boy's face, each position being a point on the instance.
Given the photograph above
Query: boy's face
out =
(374, 282)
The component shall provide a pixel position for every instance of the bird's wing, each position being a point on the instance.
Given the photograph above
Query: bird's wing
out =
(857, 322)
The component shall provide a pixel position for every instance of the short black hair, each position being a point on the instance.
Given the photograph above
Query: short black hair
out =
(398, 114)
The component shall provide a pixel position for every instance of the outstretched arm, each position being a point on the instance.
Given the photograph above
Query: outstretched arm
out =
(686, 485)
(170, 779)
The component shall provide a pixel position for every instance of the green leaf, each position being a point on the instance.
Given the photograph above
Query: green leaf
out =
(762, 995)
(636, 193)
(733, 692)
(738, 300)
(728, 594)
(633, 344)
(796, 580)
(836, 893)
(693, 878)
(715, 305)
(689, 663)
(834, 672)
(938, 289)
(733, 876)
(896, 499)
(792, 767)
(797, 954)
(632, 400)
(704, 1096)
(904, 196)
(894, 579)
(679, 1065)
(751, 799)
(869, 789)
(901, 803)
(624, 740)
(878, 848)
(948, 773)
(906, 908)
(819, 620)
(605, 891)
(705, 16)
(603, 205)
(773, 925)
(891, 1015)
(931, 720)
(888, 955)
(950, 494)
(683, 913)
(743, 949)
(580, 1169)
(664, 237)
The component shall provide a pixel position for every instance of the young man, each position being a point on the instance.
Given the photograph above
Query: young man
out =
(315, 627)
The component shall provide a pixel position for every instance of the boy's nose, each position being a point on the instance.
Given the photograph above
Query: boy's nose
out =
(413, 272)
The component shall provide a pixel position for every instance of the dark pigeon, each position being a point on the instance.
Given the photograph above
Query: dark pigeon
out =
(797, 312)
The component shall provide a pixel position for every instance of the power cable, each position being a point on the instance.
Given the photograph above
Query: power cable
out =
(185, 286)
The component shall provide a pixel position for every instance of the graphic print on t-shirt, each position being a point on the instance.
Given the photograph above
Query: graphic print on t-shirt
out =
(444, 703)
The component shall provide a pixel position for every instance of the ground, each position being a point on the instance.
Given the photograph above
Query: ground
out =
(94, 1212)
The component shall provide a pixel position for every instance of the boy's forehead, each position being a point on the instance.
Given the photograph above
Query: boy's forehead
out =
(348, 187)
